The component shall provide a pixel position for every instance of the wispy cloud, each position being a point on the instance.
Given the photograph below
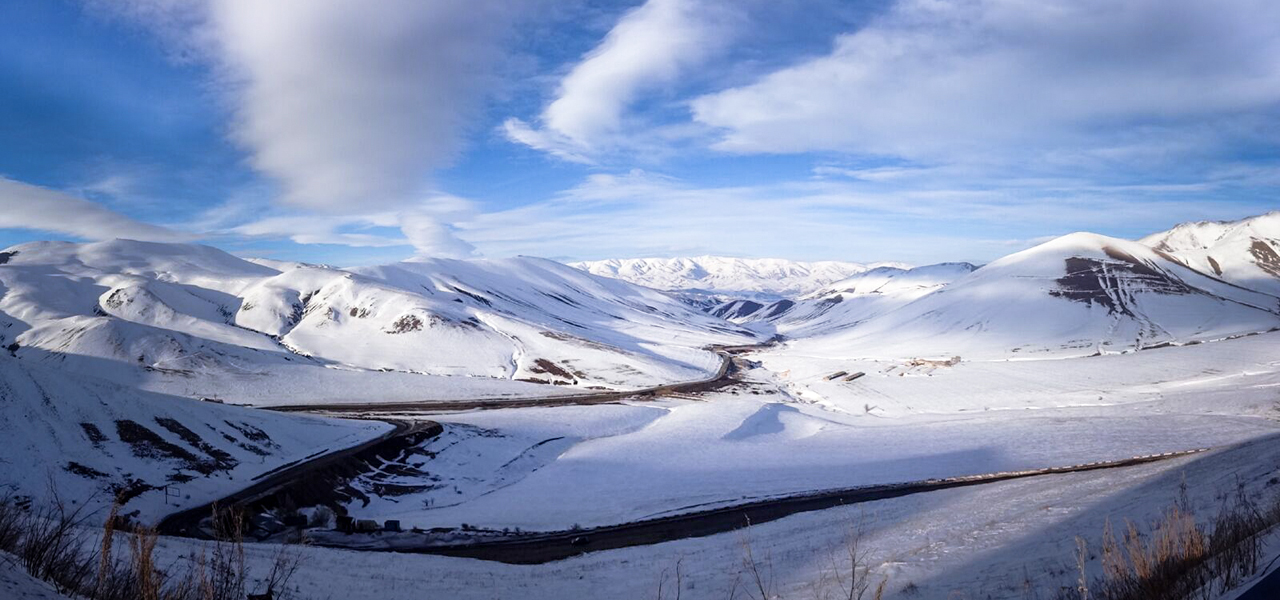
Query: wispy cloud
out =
(423, 226)
(27, 206)
(649, 47)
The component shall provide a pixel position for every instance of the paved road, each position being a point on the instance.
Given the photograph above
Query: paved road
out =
(723, 376)
(188, 521)
(551, 546)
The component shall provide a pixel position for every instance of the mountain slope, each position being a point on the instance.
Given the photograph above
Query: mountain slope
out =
(753, 278)
(1077, 295)
(845, 303)
(91, 440)
(185, 318)
(1244, 252)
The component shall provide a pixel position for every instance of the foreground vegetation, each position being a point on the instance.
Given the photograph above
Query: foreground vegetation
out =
(60, 545)
(1177, 557)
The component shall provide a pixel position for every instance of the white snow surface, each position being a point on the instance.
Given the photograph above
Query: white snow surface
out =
(791, 431)
(1078, 295)
(191, 320)
(987, 541)
(1083, 349)
(17, 584)
(743, 277)
(1244, 252)
(550, 468)
(86, 439)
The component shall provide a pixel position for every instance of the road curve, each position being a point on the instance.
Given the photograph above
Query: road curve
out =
(187, 522)
(550, 546)
(723, 376)
(545, 547)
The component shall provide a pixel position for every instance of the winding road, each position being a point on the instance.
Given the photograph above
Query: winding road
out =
(535, 548)
(187, 522)
(723, 376)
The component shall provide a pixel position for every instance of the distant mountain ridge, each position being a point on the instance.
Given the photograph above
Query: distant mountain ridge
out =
(754, 278)
(846, 302)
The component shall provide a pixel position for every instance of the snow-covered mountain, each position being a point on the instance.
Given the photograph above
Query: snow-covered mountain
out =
(1080, 294)
(191, 320)
(844, 303)
(93, 441)
(729, 278)
(1244, 252)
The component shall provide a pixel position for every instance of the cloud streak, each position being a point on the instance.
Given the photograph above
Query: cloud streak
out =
(915, 219)
(27, 206)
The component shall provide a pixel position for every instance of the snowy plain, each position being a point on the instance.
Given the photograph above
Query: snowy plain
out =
(548, 469)
(1082, 349)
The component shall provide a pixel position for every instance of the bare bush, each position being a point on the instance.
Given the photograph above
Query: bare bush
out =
(55, 544)
(844, 574)
(847, 572)
(1179, 558)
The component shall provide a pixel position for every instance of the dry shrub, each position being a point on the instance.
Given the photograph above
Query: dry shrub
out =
(55, 544)
(1179, 558)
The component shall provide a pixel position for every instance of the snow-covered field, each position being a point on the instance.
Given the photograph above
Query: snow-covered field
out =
(988, 541)
(1082, 349)
(552, 468)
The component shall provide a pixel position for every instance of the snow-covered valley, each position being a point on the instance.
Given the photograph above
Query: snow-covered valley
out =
(142, 371)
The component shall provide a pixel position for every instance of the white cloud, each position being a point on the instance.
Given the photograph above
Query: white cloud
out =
(432, 238)
(27, 206)
(962, 81)
(649, 47)
(641, 214)
(422, 226)
(349, 104)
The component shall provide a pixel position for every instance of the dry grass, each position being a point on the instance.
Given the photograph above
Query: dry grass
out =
(56, 545)
(1178, 558)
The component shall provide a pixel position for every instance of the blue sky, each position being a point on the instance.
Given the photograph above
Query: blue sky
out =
(350, 132)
